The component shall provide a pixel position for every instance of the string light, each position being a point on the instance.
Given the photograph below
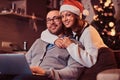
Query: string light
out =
(111, 24)
(113, 32)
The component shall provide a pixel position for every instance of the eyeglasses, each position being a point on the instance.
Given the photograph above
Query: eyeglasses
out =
(55, 19)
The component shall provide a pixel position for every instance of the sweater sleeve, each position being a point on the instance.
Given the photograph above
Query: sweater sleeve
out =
(48, 37)
(28, 55)
(91, 41)
(71, 72)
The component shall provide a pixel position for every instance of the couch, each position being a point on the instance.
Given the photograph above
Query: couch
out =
(107, 59)
(109, 74)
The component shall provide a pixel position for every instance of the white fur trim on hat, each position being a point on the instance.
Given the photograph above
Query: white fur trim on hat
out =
(86, 12)
(70, 8)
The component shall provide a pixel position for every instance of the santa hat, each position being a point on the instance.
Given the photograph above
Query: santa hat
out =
(73, 6)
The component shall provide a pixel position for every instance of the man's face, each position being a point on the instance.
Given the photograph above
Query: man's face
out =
(54, 23)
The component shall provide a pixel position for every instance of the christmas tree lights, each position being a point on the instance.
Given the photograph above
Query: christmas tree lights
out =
(105, 23)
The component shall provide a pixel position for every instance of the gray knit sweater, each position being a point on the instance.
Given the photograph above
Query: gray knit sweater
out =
(57, 62)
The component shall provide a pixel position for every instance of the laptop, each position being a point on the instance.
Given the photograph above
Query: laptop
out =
(14, 64)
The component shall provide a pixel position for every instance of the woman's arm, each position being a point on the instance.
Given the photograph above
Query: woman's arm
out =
(91, 41)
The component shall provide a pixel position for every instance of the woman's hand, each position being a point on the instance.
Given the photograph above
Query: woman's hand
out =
(36, 70)
(67, 41)
(59, 43)
(63, 42)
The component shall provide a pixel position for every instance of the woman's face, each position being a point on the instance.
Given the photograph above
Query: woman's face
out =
(68, 19)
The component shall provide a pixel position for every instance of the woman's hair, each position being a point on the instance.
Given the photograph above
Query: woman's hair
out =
(79, 23)
(68, 32)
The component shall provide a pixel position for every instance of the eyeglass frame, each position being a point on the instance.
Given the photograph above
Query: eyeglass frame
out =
(55, 19)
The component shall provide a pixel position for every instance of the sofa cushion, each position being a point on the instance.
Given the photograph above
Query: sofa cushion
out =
(110, 74)
(117, 57)
(106, 60)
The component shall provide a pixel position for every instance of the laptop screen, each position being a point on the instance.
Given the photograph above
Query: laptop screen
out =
(14, 64)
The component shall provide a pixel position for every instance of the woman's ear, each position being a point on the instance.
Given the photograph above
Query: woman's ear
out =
(80, 16)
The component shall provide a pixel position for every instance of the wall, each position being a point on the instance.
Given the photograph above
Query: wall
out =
(15, 29)
(18, 30)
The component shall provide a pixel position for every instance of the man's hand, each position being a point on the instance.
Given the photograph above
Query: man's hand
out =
(37, 70)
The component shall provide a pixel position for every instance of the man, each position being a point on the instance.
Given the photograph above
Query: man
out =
(49, 60)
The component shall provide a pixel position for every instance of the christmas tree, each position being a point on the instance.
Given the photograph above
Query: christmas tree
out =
(105, 23)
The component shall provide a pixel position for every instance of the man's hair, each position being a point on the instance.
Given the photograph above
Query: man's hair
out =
(53, 9)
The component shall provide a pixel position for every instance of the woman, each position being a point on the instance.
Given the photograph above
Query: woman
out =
(86, 53)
